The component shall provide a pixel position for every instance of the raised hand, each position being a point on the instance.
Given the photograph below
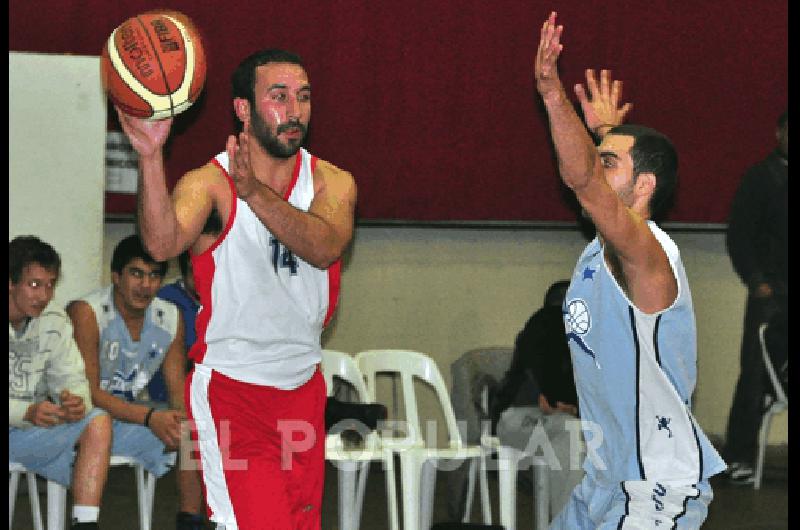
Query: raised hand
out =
(545, 68)
(601, 105)
(240, 167)
(146, 136)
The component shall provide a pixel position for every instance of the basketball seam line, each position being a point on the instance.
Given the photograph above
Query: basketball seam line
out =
(160, 67)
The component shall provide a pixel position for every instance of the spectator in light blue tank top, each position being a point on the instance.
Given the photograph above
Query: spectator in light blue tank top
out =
(125, 335)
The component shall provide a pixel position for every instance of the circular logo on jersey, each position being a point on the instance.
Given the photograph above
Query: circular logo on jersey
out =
(577, 317)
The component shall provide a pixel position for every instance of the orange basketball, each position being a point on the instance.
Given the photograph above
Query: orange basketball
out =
(153, 65)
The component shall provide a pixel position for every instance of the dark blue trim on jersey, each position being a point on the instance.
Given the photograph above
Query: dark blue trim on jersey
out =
(638, 360)
(627, 506)
(699, 447)
(685, 507)
(655, 340)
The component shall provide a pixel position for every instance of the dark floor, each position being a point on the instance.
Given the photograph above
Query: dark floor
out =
(733, 507)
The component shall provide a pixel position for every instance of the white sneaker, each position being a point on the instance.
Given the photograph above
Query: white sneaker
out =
(740, 474)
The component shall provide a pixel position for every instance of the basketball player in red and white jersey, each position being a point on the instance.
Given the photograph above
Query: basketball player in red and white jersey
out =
(267, 277)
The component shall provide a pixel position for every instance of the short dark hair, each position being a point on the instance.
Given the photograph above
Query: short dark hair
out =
(243, 80)
(128, 250)
(652, 152)
(25, 250)
(556, 293)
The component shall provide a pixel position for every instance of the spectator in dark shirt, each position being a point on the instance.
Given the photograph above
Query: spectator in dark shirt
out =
(758, 245)
(541, 362)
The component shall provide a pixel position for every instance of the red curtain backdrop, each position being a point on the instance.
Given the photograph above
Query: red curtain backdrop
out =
(431, 103)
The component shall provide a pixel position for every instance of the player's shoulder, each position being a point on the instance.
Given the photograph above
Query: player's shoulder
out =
(329, 170)
(208, 182)
(335, 180)
(93, 310)
(210, 174)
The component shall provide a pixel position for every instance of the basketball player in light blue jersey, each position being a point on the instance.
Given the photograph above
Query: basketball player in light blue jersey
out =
(629, 319)
(125, 335)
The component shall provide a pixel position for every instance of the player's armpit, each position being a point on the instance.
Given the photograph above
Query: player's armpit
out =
(195, 196)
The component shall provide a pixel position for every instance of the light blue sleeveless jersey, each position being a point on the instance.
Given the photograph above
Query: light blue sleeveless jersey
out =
(127, 366)
(635, 374)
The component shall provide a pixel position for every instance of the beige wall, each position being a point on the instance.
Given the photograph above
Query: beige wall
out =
(445, 291)
(55, 164)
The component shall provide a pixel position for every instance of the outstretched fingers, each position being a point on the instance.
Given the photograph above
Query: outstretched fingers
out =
(591, 83)
(549, 47)
(604, 83)
(626, 108)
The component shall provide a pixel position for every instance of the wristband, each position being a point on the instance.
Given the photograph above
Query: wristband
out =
(147, 416)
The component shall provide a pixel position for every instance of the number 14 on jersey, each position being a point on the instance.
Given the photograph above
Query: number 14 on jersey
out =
(282, 257)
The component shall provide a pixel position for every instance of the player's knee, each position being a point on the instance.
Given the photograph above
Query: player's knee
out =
(97, 433)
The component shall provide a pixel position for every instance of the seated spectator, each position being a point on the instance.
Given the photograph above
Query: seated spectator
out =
(125, 335)
(50, 409)
(541, 357)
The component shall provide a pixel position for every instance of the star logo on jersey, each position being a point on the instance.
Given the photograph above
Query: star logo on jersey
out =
(121, 384)
(578, 322)
(588, 273)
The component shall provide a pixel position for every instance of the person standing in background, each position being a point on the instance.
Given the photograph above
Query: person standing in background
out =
(758, 245)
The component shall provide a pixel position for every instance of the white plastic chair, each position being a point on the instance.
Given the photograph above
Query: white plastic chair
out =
(354, 462)
(15, 470)
(780, 404)
(418, 475)
(508, 459)
(57, 495)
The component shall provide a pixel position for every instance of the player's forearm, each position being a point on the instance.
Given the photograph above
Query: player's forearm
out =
(118, 408)
(304, 233)
(158, 223)
(577, 156)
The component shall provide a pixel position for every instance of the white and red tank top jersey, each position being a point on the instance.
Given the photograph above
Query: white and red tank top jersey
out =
(262, 307)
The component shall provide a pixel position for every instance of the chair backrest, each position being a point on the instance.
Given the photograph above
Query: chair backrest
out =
(470, 373)
(780, 394)
(343, 365)
(411, 365)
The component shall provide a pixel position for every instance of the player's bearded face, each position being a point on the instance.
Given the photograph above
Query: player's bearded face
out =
(270, 140)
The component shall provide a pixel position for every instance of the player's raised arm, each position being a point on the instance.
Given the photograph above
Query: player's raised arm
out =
(578, 162)
(167, 224)
(319, 235)
(613, 194)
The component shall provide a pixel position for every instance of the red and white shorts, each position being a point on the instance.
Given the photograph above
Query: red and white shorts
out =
(262, 450)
